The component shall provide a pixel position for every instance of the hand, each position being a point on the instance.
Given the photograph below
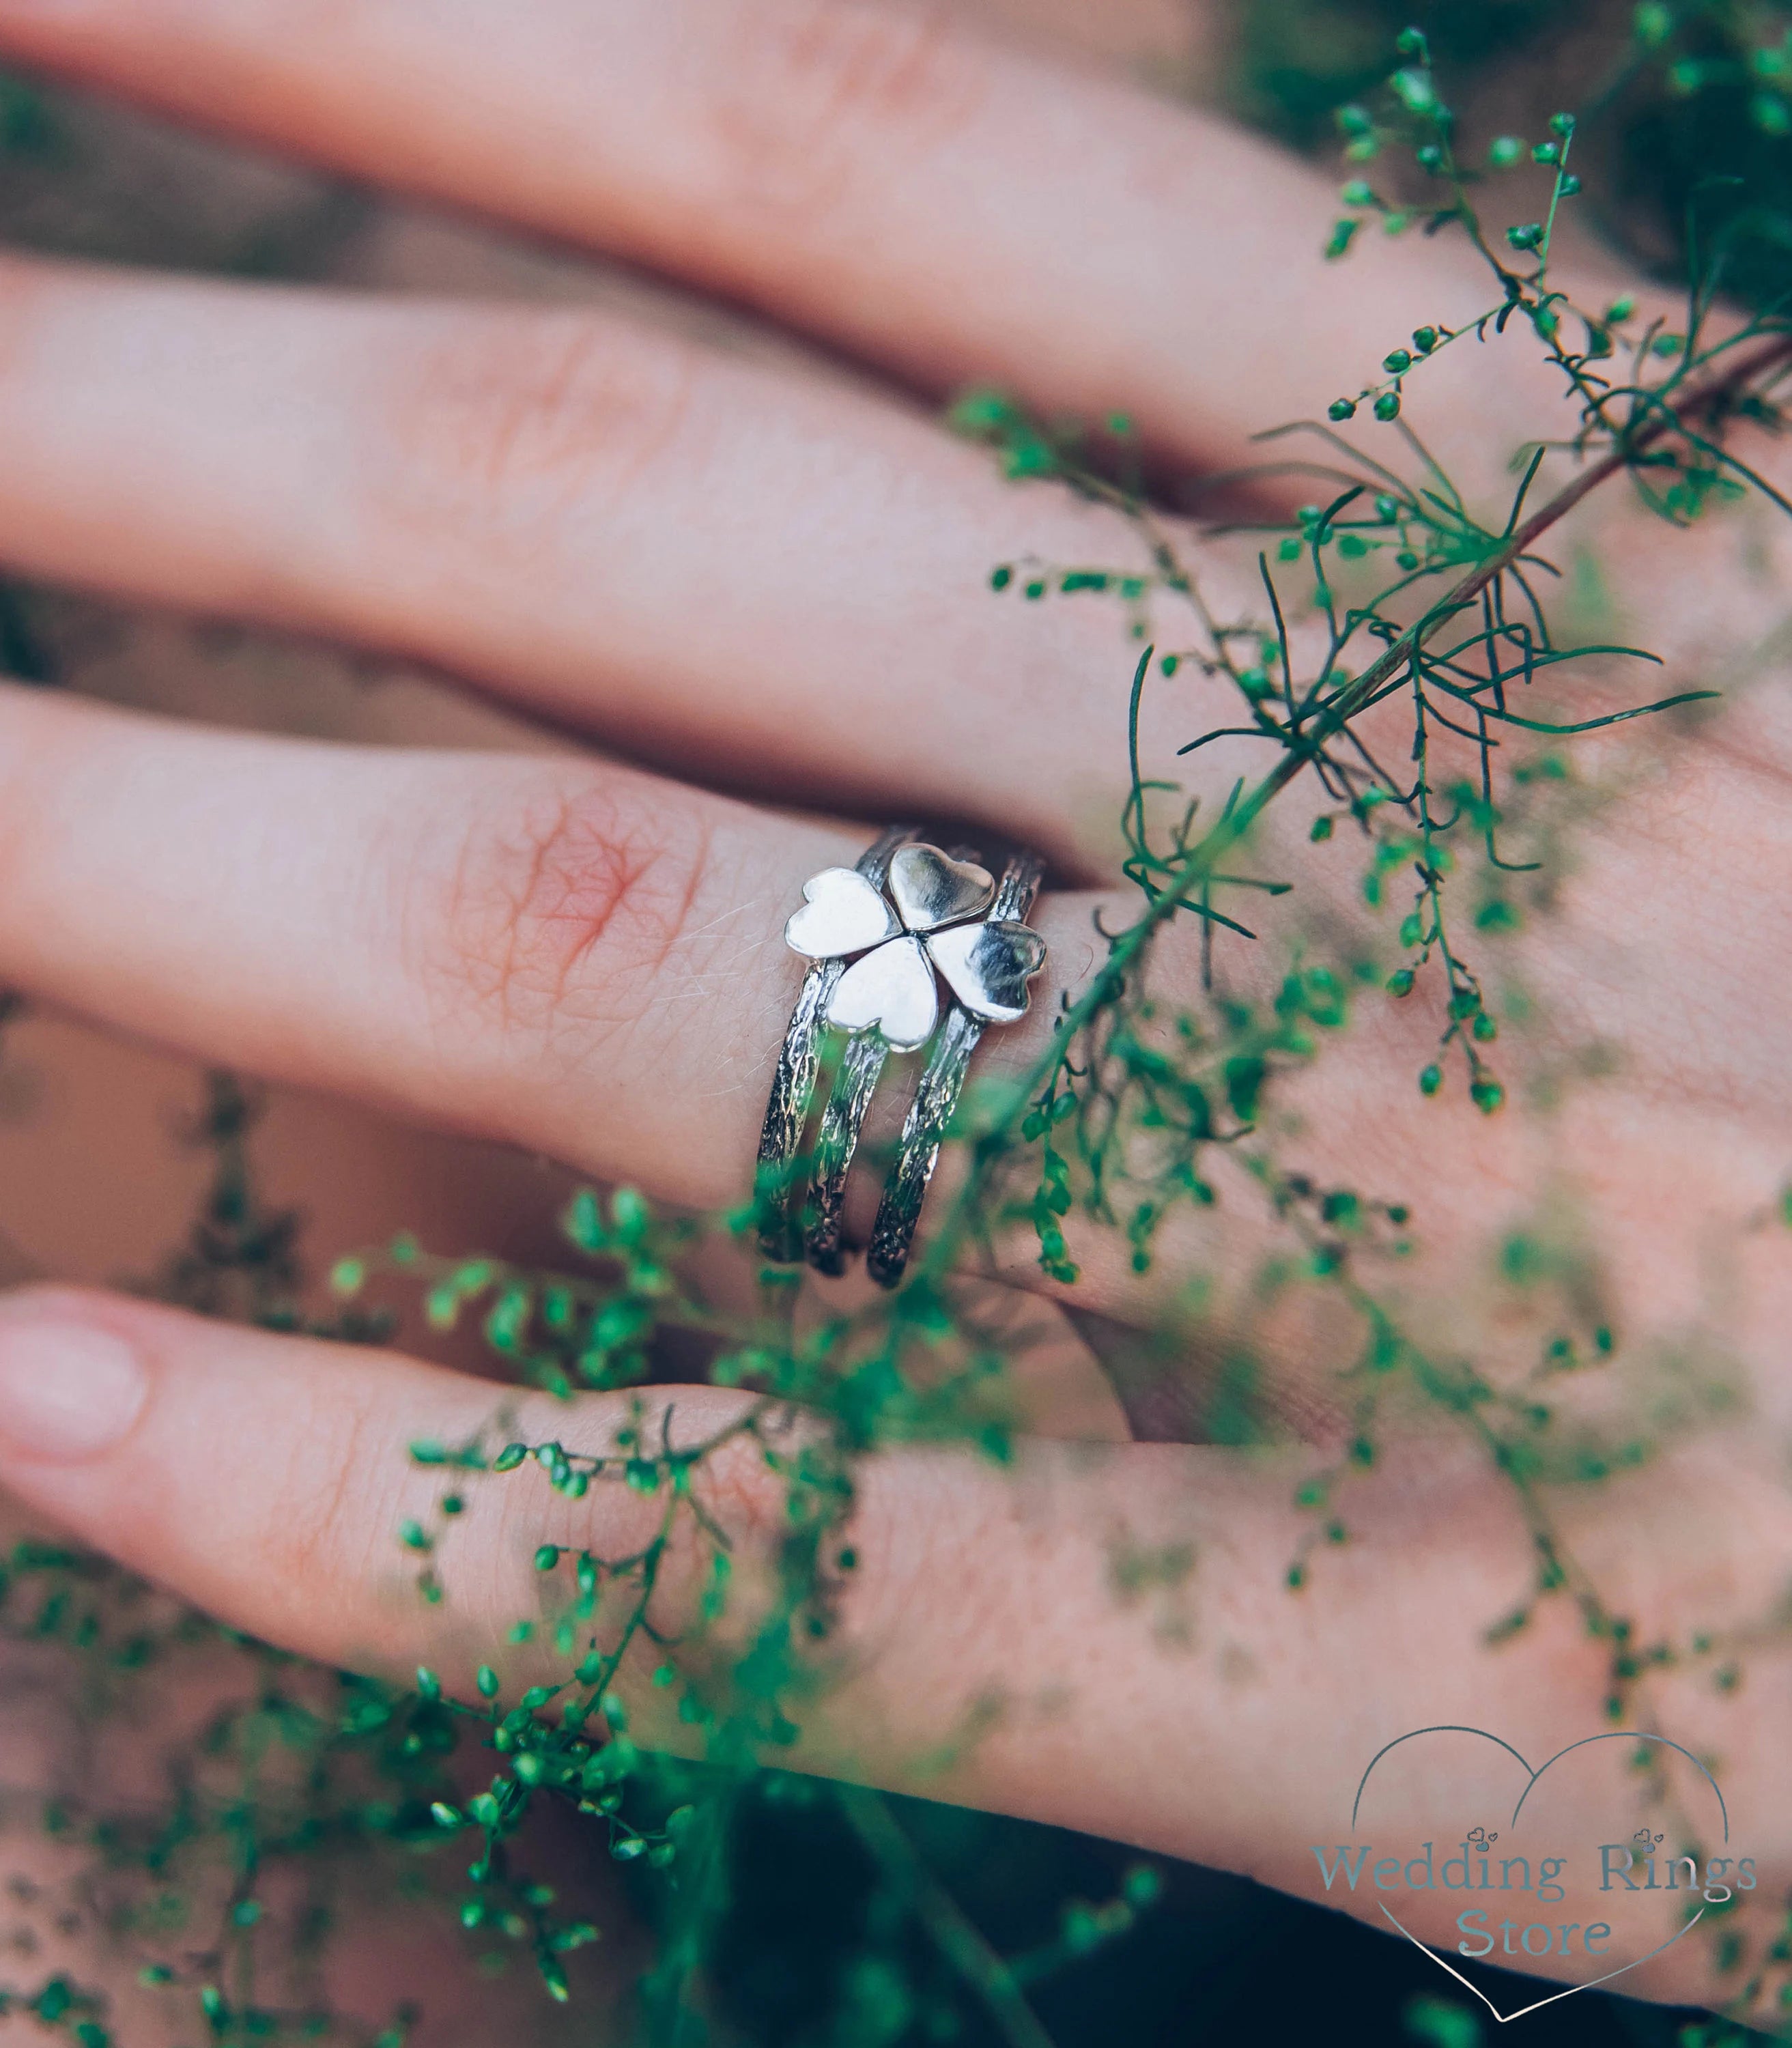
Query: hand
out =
(780, 587)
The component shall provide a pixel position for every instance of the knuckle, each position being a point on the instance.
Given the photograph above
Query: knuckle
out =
(558, 912)
(814, 88)
(502, 424)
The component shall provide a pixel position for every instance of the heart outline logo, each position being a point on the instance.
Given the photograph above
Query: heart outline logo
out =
(1532, 1777)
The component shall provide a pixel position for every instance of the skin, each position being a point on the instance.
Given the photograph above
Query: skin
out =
(563, 952)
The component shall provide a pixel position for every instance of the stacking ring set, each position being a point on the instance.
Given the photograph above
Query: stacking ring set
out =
(881, 939)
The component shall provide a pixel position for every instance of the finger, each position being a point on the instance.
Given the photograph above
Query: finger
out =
(880, 173)
(705, 563)
(565, 955)
(553, 953)
(1211, 1713)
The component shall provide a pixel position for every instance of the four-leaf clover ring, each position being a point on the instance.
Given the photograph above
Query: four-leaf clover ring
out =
(881, 937)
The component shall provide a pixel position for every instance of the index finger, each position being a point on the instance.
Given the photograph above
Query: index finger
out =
(952, 208)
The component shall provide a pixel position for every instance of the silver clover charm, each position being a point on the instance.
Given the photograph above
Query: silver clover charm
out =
(933, 918)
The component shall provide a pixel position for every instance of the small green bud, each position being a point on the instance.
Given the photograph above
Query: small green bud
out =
(1504, 151)
(1485, 1028)
(1568, 184)
(1416, 93)
(1400, 982)
(486, 1680)
(1321, 829)
(1487, 1095)
(1528, 236)
(348, 1276)
(1358, 192)
(1431, 1080)
(1768, 62)
(1411, 43)
(1563, 124)
(1654, 23)
(1341, 409)
(1546, 153)
(508, 1458)
(547, 1556)
(1343, 233)
(1387, 405)
(1000, 578)
(1429, 156)
(1397, 360)
(1425, 339)
(1406, 559)
(1618, 312)
(446, 1816)
(1770, 113)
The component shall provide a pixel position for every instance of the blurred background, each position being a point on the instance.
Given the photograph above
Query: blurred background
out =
(117, 1162)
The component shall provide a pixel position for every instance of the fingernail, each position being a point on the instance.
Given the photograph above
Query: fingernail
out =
(68, 1390)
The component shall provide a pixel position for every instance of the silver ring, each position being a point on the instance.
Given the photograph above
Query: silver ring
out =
(793, 1087)
(936, 1093)
(882, 936)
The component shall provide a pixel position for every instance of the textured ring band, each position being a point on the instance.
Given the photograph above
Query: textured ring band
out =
(793, 1086)
(936, 1094)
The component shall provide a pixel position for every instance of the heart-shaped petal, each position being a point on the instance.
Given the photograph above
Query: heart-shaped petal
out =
(842, 914)
(989, 967)
(931, 889)
(892, 991)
